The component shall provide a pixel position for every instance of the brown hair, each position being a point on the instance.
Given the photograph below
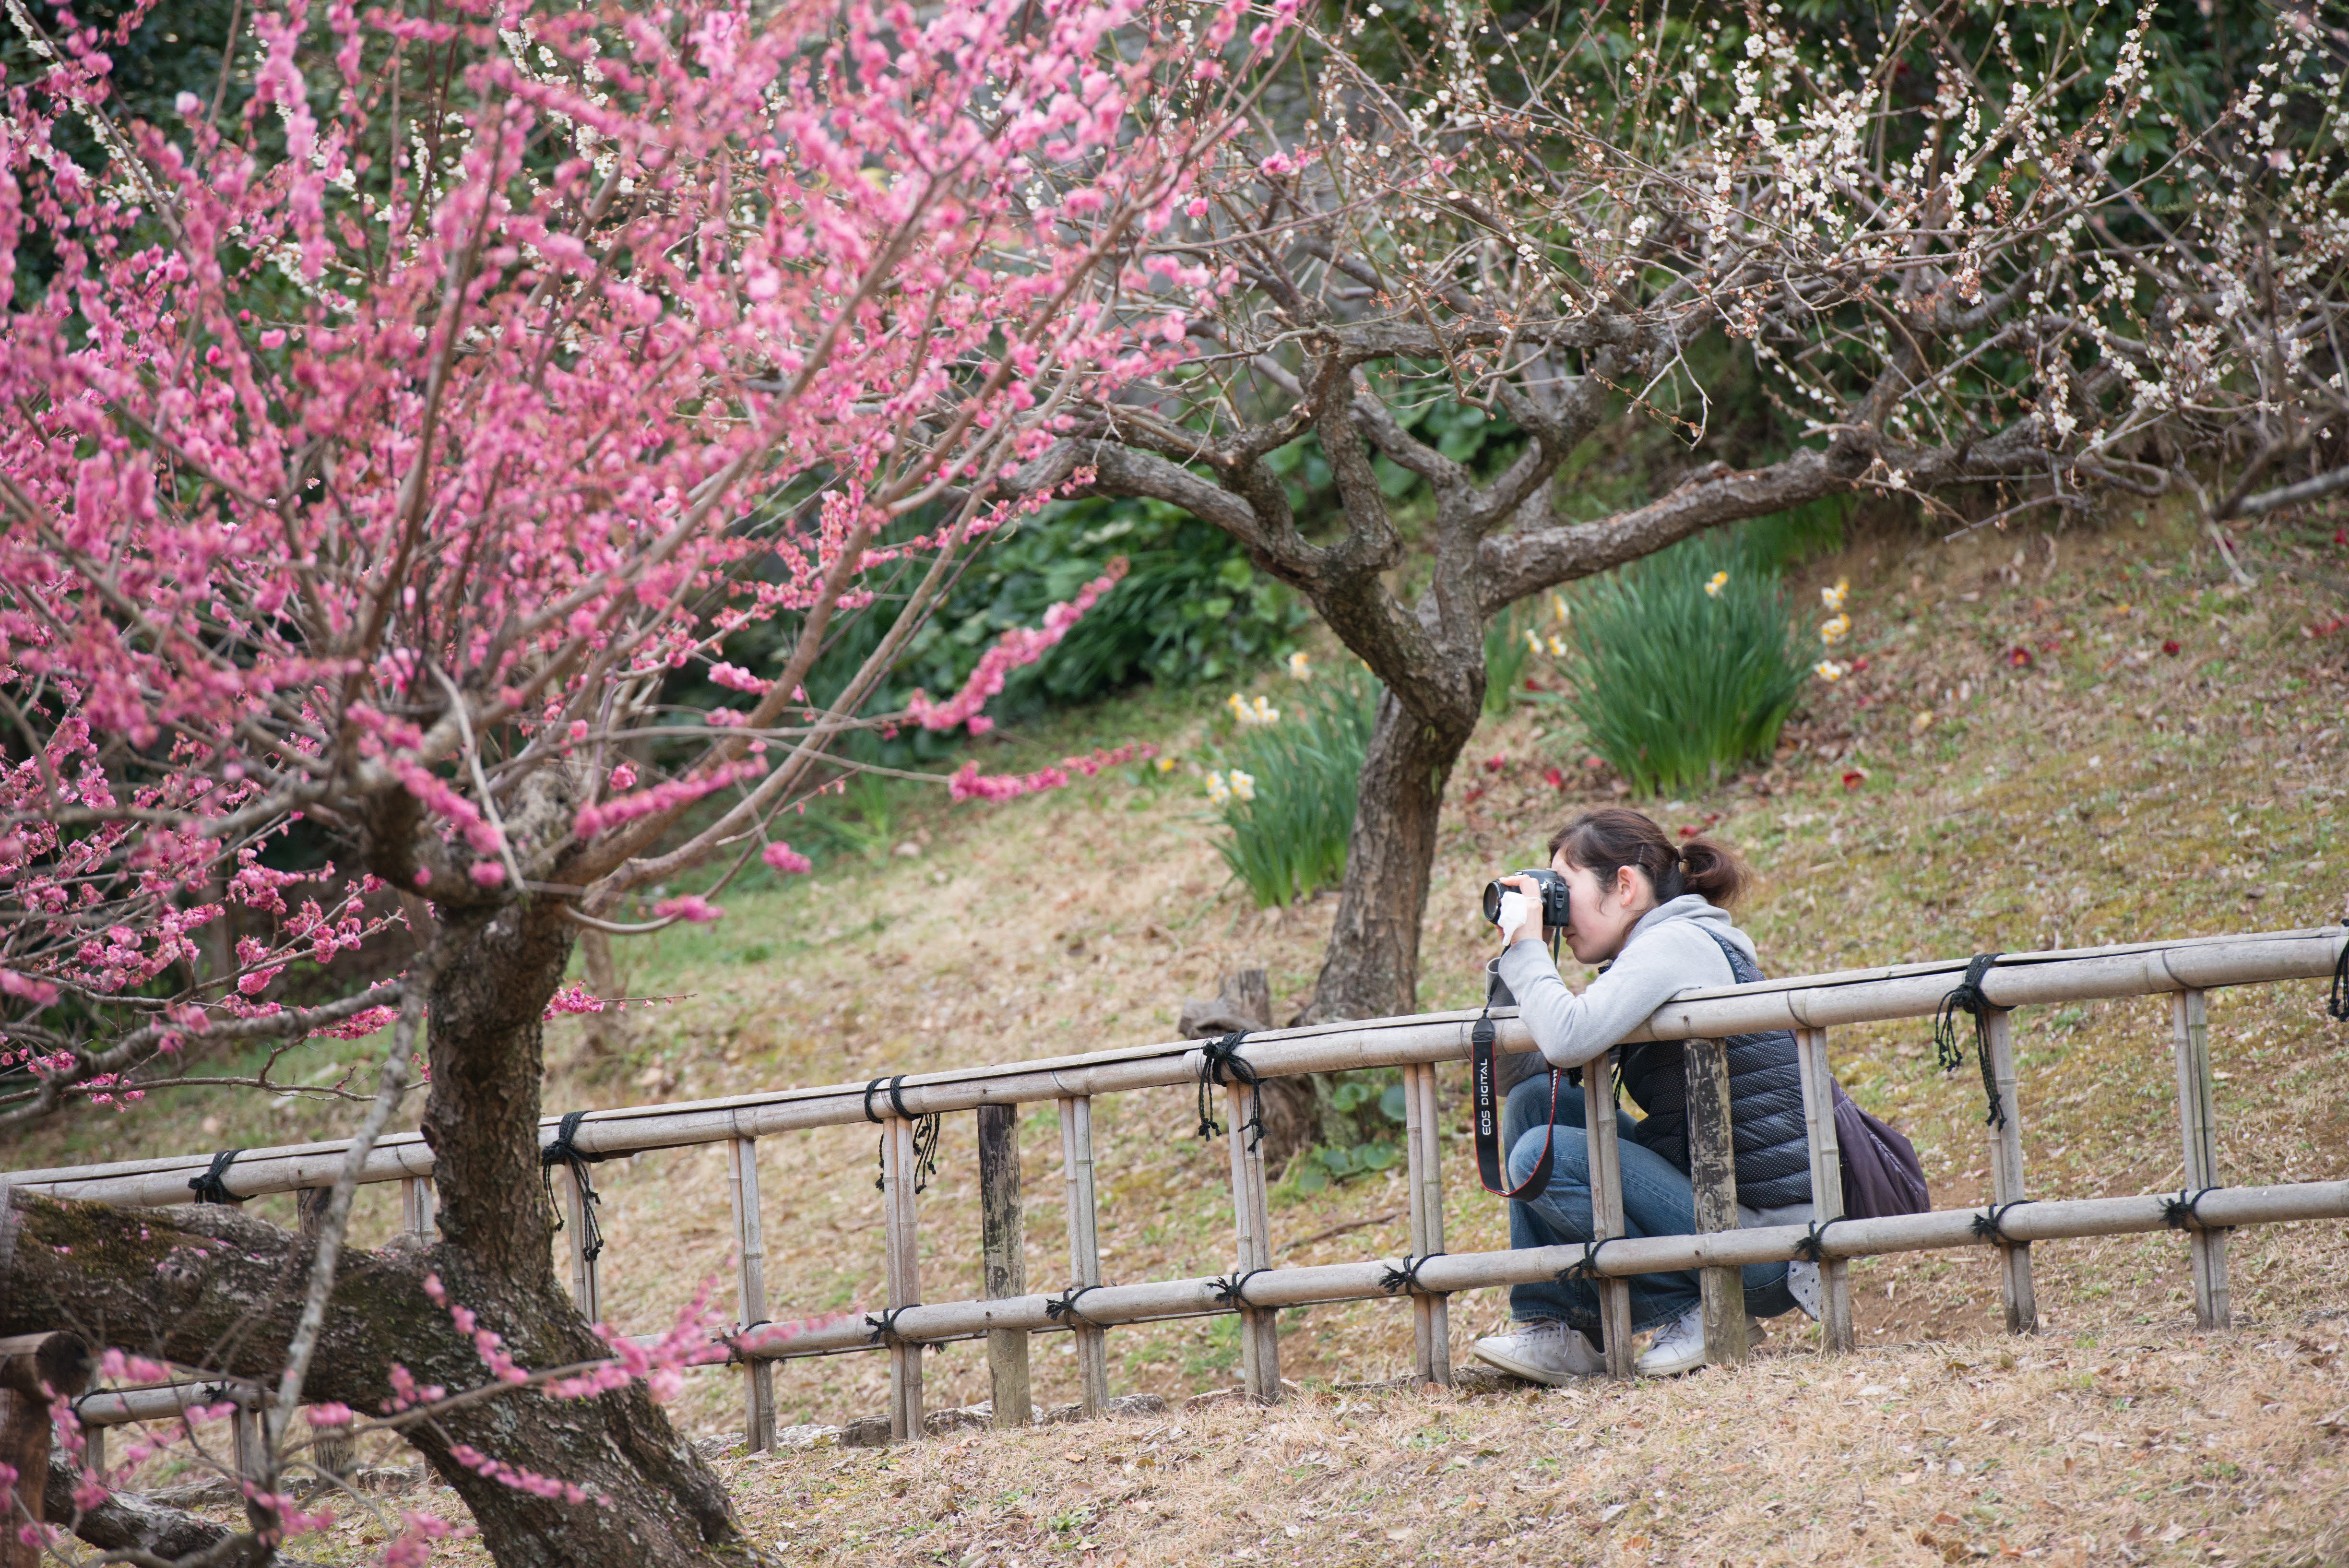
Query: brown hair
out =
(1613, 836)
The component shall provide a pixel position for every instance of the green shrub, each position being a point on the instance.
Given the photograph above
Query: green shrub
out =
(1291, 807)
(1191, 609)
(1674, 684)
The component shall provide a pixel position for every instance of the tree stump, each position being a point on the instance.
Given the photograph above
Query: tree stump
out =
(33, 1366)
(1292, 1106)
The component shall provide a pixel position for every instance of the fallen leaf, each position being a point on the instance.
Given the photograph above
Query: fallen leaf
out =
(2175, 1533)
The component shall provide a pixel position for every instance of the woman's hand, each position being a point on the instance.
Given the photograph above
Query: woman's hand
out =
(1532, 926)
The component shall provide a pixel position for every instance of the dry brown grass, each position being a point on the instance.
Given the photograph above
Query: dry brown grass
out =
(2087, 1448)
(2108, 791)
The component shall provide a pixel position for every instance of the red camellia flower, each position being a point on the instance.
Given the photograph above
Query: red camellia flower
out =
(1555, 779)
(1854, 777)
(1496, 762)
(2019, 657)
(2169, 645)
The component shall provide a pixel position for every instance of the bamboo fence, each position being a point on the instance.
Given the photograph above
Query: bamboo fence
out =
(1808, 1005)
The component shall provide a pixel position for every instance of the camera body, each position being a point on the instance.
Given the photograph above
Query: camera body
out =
(1552, 899)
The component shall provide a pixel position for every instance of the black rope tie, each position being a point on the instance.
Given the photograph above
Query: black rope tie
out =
(734, 1351)
(926, 1135)
(1586, 1267)
(1811, 1249)
(1065, 1305)
(1407, 1277)
(209, 1188)
(2184, 1212)
(1990, 1225)
(1968, 998)
(563, 1151)
(883, 1324)
(2336, 1005)
(1217, 1057)
(1231, 1290)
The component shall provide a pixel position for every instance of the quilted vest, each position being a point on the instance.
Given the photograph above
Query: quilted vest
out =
(1766, 1104)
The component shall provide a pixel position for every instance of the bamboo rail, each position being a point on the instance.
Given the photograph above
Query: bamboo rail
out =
(1808, 1005)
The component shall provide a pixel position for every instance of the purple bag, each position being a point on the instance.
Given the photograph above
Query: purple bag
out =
(1881, 1175)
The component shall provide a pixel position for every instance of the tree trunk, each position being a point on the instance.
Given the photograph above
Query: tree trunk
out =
(160, 1281)
(607, 1031)
(1371, 970)
(209, 1286)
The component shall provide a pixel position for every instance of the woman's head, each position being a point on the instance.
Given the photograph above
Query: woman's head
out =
(1618, 865)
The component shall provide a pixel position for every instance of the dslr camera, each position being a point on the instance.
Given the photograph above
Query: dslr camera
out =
(1553, 900)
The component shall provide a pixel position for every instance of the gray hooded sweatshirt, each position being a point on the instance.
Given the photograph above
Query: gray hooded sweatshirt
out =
(1667, 951)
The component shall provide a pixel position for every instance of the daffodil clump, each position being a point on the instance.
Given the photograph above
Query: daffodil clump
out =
(1687, 663)
(1300, 666)
(1284, 783)
(1834, 629)
(1252, 710)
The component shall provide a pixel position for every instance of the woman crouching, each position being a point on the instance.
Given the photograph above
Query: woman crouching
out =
(1651, 914)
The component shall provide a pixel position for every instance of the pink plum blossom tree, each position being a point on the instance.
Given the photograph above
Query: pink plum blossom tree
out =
(369, 464)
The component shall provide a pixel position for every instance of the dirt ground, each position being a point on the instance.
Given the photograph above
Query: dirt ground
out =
(2015, 763)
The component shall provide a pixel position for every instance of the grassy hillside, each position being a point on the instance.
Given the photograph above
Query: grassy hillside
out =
(2052, 742)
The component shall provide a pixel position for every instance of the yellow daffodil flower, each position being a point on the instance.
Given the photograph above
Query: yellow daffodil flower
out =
(1719, 580)
(1533, 640)
(1832, 632)
(1832, 598)
(1218, 792)
(1829, 670)
(1301, 668)
(1243, 785)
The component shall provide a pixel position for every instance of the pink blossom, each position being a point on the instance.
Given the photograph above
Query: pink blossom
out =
(687, 907)
(572, 999)
(734, 678)
(1018, 646)
(782, 857)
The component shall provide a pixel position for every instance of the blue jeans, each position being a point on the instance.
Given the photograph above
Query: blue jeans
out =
(1657, 1201)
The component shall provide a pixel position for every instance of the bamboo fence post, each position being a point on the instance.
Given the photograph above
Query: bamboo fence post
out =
(1259, 1329)
(2199, 1123)
(900, 1238)
(27, 1361)
(1603, 1139)
(750, 1289)
(415, 1204)
(1423, 1156)
(1004, 1267)
(585, 1289)
(1712, 1173)
(1085, 1247)
(1826, 1183)
(245, 1431)
(2007, 1183)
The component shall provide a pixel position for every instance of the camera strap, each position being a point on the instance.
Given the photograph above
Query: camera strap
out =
(1489, 1170)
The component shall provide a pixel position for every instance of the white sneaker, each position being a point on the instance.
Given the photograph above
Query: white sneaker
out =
(1679, 1345)
(1803, 1284)
(1543, 1351)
